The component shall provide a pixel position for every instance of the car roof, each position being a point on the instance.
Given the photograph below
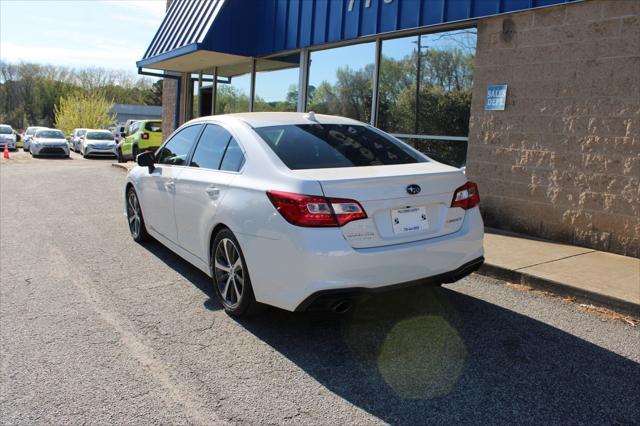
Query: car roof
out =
(263, 119)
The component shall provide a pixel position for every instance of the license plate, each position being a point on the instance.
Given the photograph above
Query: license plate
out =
(411, 219)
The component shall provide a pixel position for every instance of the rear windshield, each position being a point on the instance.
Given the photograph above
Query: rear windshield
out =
(153, 126)
(5, 130)
(52, 134)
(324, 146)
(100, 136)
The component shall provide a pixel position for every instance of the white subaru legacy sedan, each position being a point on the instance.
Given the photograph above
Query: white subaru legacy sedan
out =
(304, 211)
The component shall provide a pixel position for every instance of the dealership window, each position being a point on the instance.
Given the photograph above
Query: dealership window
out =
(425, 91)
(277, 83)
(233, 94)
(341, 81)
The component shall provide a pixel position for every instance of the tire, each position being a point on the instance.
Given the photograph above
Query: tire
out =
(120, 157)
(227, 258)
(135, 221)
(134, 152)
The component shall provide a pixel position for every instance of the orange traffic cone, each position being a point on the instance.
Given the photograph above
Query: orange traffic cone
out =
(5, 154)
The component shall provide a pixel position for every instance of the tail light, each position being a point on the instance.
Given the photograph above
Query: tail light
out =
(145, 135)
(466, 196)
(315, 211)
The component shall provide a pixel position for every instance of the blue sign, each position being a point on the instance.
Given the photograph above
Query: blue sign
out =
(496, 97)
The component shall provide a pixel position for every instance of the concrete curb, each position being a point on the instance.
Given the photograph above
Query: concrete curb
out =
(561, 289)
(122, 166)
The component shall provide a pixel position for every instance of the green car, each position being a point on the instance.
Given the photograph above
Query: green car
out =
(143, 135)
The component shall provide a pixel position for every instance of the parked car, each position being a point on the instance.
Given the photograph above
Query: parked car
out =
(28, 135)
(119, 133)
(76, 136)
(98, 143)
(7, 137)
(49, 142)
(144, 135)
(303, 211)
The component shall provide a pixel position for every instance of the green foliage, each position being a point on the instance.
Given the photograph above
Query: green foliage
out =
(29, 93)
(83, 109)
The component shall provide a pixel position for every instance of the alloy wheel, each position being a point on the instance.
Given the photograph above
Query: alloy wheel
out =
(229, 272)
(134, 214)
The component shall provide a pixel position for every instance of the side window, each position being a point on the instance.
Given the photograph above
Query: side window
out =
(210, 149)
(233, 157)
(176, 151)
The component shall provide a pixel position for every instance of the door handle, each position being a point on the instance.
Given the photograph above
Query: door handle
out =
(213, 191)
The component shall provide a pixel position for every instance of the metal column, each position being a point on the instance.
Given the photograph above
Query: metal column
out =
(200, 94)
(303, 80)
(214, 91)
(252, 90)
(376, 83)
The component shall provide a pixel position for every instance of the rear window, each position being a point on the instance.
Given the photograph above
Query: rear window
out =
(323, 146)
(153, 126)
(52, 134)
(100, 136)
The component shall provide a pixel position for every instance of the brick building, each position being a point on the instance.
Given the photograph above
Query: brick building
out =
(560, 161)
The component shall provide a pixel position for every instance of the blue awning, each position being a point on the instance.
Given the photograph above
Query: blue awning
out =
(197, 34)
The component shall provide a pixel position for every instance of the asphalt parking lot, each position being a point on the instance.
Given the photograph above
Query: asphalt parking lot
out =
(97, 329)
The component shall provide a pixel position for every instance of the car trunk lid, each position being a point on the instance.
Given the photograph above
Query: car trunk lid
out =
(398, 212)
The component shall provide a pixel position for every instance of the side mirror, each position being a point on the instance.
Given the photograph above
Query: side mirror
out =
(146, 159)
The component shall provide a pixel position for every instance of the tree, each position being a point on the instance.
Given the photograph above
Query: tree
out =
(83, 109)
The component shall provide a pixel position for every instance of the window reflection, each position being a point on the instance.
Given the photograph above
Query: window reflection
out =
(234, 96)
(341, 81)
(277, 83)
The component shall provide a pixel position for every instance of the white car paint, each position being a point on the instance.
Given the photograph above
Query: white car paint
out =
(28, 135)
(89, 146)
(7, 137)
(45, 145)
(287, 263)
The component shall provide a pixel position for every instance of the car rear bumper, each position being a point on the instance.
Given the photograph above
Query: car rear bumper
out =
(290, 271)
(327, 299)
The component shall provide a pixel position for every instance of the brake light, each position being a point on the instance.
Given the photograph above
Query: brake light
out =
(314, 210)
(145, 135)
(466, 196)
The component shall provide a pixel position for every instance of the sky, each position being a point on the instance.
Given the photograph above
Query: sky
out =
(110, 34)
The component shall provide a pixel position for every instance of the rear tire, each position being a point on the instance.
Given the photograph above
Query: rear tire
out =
(231, 280)
(135, 220)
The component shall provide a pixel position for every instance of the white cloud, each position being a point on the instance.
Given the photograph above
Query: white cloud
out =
(104, 56)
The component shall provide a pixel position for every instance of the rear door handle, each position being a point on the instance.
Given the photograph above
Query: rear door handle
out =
(213, 191)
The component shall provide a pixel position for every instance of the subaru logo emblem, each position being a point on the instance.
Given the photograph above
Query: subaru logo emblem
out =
(413, 189)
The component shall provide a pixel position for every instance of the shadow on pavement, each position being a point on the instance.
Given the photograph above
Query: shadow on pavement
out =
(433, 355)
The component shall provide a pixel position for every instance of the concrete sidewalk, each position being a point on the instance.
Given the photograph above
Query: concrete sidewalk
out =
(588, 275)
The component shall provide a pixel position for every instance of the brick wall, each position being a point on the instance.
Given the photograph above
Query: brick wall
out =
(169, 93)
(563, 160)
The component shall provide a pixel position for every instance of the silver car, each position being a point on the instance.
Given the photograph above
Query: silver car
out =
(98, 143)
(49, 142)
(7, 137)
(76, 137)
(28, 135)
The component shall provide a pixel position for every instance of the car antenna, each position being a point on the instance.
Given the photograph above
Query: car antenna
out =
(311, 116)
